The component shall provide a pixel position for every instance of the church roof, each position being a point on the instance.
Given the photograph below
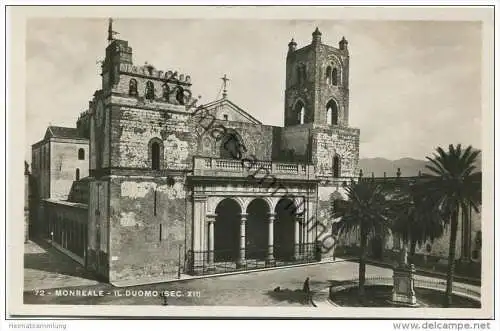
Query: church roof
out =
(62, 132)
(226, 103)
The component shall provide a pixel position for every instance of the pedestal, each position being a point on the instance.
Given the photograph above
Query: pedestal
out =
(403, 292)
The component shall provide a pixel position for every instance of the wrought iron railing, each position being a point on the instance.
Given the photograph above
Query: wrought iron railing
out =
(223, 261)
(436, 284)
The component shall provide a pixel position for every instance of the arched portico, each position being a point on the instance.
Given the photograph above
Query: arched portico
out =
(257, 231)
(284, 229)
(237, 227)
(227, 230)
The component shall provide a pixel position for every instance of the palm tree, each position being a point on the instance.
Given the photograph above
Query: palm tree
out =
(453, 184)
(413, 218)
(365, 211)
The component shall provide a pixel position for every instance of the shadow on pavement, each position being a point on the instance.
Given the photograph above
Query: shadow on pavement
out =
(288, 295)
(54, 261)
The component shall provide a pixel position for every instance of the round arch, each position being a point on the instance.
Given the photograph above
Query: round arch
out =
(335, 63)
(299, 112)
(257, 228)
(284, 229)
(232, 145)
(227, 230)
(332, 112)
(155, 153)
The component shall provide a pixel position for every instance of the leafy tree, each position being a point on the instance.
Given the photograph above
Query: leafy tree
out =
(366, 211)
(413, 217)
(453, 184)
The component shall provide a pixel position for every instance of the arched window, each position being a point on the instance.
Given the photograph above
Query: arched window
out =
(77, 174)
(155, 153)
(132, 87)
(334, 76)
(166, 91)
(150, 91)
(179, 96)
(300, 113)
(155, 156)
(81, 154)
(336, 166)
(328, 75)
(232, 147)
(332, 116)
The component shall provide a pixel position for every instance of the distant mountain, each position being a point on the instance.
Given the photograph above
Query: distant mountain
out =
(409, 166)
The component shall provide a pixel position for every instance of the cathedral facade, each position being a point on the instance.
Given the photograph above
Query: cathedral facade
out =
(177, 187)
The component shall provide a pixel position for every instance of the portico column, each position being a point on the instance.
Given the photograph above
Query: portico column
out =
(196, 258)
(241, 259)
(298, 224)
(270, 240)
(211, 242)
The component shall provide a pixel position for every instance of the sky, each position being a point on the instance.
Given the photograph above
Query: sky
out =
(414, 85)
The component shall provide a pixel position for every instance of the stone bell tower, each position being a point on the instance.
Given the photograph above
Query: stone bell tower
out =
(317, 83)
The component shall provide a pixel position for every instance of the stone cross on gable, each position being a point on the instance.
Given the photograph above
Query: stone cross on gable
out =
(224, 86)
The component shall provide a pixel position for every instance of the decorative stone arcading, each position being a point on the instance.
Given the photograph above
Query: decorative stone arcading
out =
(151, 72)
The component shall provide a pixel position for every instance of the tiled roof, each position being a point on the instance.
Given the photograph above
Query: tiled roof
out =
(63, 132)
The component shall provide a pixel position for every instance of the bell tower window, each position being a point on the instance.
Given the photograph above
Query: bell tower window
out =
(331, 113)
(165, 91)
(300, 112)
(179, 96)
(150, 91)
(334, 76)
(132, 88)
(328, 75)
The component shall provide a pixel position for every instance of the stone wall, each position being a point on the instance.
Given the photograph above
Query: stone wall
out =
(329, 141)
(40, 166)
(327, 56)
(295, 91)
(64, 164)
(150, 220)
(257, 139)
(134, 128)
(98, 230)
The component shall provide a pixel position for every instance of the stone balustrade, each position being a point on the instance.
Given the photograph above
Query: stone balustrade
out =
(206, 166)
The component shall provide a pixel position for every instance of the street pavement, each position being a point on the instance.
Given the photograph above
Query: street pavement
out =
(56, 274)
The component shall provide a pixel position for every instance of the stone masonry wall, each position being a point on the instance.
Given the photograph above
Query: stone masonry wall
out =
(98, 214)
(327, 56)
(256, 138)
(327, 142)
(150, 221)
(133, 129)
(64, 162)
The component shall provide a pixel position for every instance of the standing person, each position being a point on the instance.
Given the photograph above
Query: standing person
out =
(306, 289)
